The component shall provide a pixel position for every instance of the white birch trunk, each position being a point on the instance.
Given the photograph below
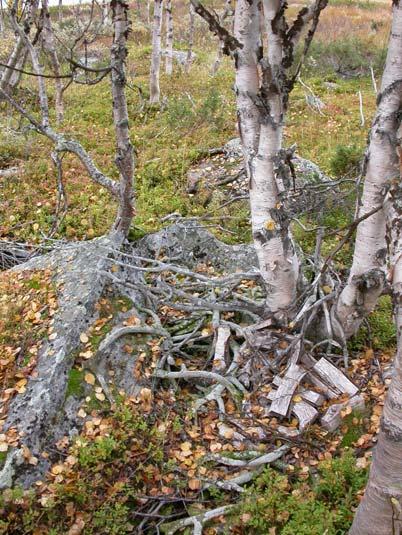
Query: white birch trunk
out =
(13, 62)
(154, 87)
(49, 45)
(60, 11)
(169, 38)
(366, 279)
(261, 135)
(219, 56)
(191, 30)
(380, 512)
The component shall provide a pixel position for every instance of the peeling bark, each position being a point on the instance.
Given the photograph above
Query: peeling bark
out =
(367, 275)
(262, 89)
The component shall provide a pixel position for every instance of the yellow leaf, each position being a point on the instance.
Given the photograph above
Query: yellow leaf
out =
(327, 289)
(57, 469)
(89, 378)
(84, 338)
(270, 225)
(194, 484)
(3, 447)
(100, 396)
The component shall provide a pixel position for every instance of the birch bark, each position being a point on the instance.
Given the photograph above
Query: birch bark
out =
(380, 512)
(154, 97)
(169, 38)
(191, 30)
(50, 47)
(367, 275)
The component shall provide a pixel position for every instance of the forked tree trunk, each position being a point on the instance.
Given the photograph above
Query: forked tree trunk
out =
(190, 42)
(262, 88)
(154, 87)
(50, 47)
(124, 153)
(169, 38)
(367, 275)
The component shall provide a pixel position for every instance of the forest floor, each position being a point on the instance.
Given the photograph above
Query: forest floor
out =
(144, 460)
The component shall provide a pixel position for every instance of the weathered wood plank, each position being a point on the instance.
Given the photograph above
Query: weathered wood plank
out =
(332, 418)
(330, 374)
(289, 383)
(312, 397)
(305, 413)
(222, 337)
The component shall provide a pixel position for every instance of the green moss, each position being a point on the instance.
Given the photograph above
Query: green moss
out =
(75, 385)
(379, 329)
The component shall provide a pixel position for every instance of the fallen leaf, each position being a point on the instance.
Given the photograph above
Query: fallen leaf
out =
(89, 378)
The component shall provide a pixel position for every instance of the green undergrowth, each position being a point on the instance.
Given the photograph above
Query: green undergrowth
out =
(105, 478)
(286, 505)
(378, 331)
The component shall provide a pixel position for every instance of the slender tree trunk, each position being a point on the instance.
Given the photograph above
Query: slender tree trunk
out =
(169, 38)
(380, 512)
(261, 136)
(105, 10)
(125, 153)
(367, 275)
(60, 11)
(190, 45)
(13, 62)
(219, 56)
(50, 47)
(154, 97)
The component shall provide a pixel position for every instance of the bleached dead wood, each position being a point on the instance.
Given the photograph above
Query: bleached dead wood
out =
(222, 337)
(330, 374)
(312, 397)
(305, 413)
(283, 396)
(333, 417)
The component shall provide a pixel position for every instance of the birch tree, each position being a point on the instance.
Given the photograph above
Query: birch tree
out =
(263, 83)
(11, 74)
(50, 47)
(190, 41)
(169, 38)
(367, 275)
(380, 512)
(228, 11)
(123, 190)
(154, 87)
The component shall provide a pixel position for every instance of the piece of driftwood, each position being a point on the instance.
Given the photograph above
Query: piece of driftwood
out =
(305, 413)
(333, 417)
(289, 383)
(330, 374)
(222, 337)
